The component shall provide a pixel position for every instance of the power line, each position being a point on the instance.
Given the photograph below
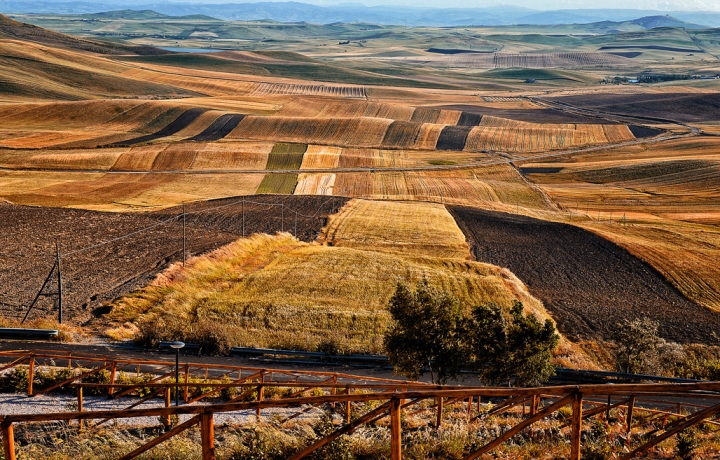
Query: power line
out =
(200, 211)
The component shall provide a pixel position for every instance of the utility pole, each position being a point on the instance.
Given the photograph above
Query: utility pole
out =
(282, 217)
(184, 252)
(60, 299)
(243, 217)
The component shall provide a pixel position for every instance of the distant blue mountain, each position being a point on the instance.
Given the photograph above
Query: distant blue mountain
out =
(353, 12)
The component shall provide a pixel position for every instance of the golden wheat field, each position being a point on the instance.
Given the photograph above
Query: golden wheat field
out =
(398, 227)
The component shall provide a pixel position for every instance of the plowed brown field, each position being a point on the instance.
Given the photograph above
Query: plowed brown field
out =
(28, 236)
(586, 282)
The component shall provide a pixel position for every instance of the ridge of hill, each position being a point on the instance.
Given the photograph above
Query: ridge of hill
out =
(9, 28)
(143, 14)
(651, 22)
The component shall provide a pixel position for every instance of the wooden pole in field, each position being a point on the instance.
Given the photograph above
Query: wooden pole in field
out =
(261, 394)
(59, 279)
(207, 436)
(166, 419)
(8, 440)
(576, 427)
(184, 251)
(395, 430)
(80, 404)
(243, 217)
(113, 371)
(607, 412)
(347, 406)
(630, 407)
(31, 374)
(534, 403)
(439, 412)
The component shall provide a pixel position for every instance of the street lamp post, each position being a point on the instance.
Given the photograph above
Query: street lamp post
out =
(177, 346)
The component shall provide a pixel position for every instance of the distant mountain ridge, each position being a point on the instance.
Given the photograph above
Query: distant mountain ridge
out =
(142, 14)
(347, 13)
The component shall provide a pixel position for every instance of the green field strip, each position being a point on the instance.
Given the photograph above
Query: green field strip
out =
(283, 184)
(286, 156)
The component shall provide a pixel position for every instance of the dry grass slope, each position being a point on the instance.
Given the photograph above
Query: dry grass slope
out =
(397, 227)
(274, 291)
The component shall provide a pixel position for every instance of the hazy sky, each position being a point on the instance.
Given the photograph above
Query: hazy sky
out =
(664, 5)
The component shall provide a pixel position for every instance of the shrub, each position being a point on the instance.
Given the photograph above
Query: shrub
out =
(687, 442)
(637, 345)
(15, 381)
(45, 377)
(212, 336)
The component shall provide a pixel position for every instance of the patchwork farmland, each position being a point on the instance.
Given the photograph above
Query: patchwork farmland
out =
(392, 154)
(274, 189)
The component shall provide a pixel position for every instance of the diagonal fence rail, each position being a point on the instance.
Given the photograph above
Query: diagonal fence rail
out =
(389, 397)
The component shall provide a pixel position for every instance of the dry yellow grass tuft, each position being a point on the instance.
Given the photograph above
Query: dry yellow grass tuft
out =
(416, 228)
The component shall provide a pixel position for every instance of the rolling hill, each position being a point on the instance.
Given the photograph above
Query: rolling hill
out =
(10, 28)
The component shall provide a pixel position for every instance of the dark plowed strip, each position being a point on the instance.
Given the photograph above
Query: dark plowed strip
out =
(175, 126)
(587, 283)
(401, 134)
(642, 131)
(421, 115)
(219, 128)
(453, 138)
(469, 119)
(651, 47)
(629, 54)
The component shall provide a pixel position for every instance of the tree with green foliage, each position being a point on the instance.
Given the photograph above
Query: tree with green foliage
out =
(637, 345)
(426, 332)
(430, 330)
(517, 352)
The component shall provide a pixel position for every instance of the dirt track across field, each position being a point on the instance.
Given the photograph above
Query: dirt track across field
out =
(94, 276)
(587, 283)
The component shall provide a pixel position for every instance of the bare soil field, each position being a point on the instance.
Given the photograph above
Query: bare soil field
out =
(586, 282)
(94, 276)
(687, 107)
